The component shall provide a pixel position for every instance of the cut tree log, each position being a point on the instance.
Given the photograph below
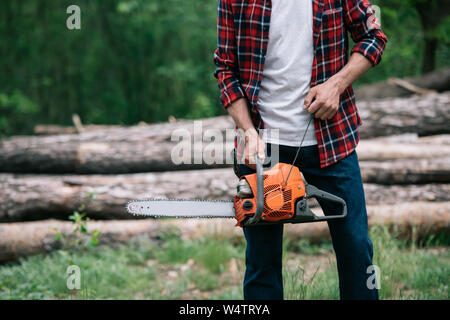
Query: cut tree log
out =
(416, 171)
(37, 197)
(438, 81)
(122, 150)
(425, 115)
(52, 129)
(415, 220)
(407, 146)
(409, 138)
(179, 145)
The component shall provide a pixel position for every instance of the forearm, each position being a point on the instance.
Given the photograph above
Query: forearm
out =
(357, 66)
(238, 110)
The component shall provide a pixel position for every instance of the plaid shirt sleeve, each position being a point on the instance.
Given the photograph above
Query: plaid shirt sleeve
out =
(364, 29)
(225, 57)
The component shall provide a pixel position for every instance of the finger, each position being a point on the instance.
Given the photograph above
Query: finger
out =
(261, 151)
(309, 98)
(248, 160)
(321, 112)
(330, 114)
(314, 107)
(251, 150)
(248, 155)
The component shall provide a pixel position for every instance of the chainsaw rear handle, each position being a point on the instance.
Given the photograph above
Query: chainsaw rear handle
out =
(259, 193)
(313, 192)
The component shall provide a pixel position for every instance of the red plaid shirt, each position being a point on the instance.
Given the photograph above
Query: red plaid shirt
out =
(243, 33)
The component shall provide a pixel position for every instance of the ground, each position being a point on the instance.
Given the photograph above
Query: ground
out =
(174, 268)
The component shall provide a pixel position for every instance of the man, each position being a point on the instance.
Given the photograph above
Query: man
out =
(279, 64)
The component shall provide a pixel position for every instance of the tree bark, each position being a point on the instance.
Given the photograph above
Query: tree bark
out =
(416, 221)
(150, 148)
(123, 150)
(37, 197)
(425, 115)
(417, 171)
(407, 146)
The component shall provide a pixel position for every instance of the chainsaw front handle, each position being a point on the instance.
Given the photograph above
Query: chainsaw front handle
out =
(259, 193)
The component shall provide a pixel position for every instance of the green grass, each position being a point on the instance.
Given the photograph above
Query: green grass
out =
(209, 253)
(211, 268)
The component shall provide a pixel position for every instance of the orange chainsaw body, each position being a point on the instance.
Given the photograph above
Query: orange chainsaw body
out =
(279, 198)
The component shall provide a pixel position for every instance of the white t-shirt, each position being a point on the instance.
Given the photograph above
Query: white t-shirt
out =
(287, 73)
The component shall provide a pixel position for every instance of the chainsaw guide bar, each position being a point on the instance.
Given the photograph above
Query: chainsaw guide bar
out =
(182, 208)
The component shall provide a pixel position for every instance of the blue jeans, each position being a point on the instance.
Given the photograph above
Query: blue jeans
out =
(351, 243)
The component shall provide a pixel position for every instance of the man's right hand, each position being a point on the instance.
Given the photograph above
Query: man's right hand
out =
(253, 145)
(239, 111)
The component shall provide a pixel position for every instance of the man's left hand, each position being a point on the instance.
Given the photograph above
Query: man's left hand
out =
(323, 100)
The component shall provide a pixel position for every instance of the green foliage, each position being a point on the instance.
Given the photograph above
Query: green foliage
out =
(203, 280)
(106, 273)
(132, 60)
(142, 60)
(143, 269)
(80, 237)
(209, 253)
(215, 254)
(401, 23)
(175, 251)
(171, 268)
(306, 247)
(407, 272)
(15, 112)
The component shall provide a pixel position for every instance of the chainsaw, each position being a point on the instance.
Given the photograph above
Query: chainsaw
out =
(277, 195)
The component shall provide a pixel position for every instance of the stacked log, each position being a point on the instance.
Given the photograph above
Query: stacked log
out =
(150, 148)
(36, 197)
(404, 157)
(416, 219)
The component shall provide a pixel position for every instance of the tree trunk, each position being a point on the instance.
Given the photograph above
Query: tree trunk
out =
(429, 55)
(150, 148)
(36, 197)
(416, 221)
(431, 14)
